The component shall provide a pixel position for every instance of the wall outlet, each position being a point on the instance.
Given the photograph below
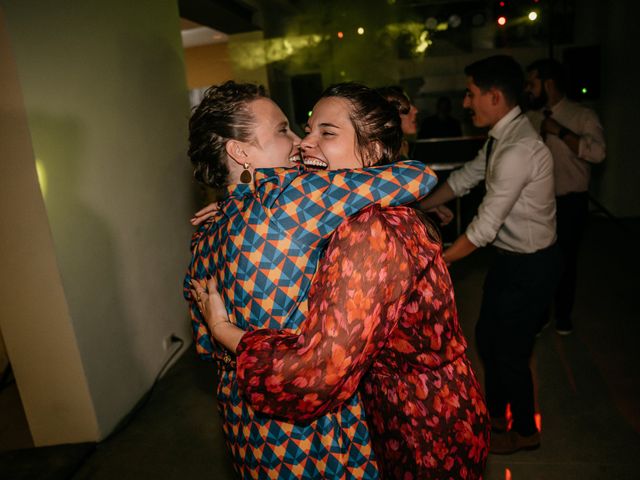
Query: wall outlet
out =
(169, 341)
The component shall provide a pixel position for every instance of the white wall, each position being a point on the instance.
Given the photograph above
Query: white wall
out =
(106, 98)
(616, 181)
(34, 314)
(4, 359)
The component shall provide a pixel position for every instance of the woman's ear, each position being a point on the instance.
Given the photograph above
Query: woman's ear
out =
(236, 151)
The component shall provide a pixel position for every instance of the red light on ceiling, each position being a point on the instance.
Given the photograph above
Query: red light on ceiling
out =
(502, 4)
(502, 21)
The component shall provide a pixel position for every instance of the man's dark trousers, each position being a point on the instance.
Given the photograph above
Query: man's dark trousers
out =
(518, 289)
(572, 215)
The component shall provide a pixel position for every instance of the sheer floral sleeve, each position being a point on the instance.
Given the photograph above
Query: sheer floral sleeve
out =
(358, 295)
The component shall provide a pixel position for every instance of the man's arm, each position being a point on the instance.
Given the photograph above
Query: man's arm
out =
(592, 147)
(569, 137)
(587, 144)
(459, 249)
(440, 196)
(509, 176)
(458, 184)
(462, 246)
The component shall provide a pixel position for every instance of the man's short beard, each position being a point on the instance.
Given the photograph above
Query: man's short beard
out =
(537, 103)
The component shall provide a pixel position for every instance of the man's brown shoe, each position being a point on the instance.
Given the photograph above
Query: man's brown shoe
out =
(498, 425)
(511, 442)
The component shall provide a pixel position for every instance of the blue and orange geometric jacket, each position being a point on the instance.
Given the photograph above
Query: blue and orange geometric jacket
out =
(263, 247)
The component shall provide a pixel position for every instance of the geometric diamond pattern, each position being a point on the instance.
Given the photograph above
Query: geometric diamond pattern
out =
(263, 247)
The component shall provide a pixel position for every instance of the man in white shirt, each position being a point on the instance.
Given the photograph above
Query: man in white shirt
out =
(516, 216)
(574, 136)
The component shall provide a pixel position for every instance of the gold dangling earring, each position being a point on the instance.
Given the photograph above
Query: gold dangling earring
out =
(245, 176)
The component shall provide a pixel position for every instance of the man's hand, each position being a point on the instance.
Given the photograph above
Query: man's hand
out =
(459, 249)
(443, 213)
(549, 125)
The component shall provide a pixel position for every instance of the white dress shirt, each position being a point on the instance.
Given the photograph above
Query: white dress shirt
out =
(572, 172)
(518, 212)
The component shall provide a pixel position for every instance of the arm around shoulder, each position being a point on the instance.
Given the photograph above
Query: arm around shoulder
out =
(591, 144)
(364, 274)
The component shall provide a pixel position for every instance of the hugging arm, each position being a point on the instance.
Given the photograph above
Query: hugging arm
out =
(312, 205)
(355, 303)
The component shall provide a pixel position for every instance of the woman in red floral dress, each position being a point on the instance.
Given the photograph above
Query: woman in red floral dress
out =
(382, 320)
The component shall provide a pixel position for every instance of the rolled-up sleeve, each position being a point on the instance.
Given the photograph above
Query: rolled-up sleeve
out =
(467, 177)
(592, 147)
(508, 175)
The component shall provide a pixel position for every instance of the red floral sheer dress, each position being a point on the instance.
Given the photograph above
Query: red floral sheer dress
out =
(382, 319)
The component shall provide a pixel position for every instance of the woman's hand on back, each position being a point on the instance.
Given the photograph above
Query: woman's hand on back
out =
(209, 302)
(205, 213)
(212, 308)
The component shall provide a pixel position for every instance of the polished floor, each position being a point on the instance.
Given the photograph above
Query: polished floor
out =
(587, 383)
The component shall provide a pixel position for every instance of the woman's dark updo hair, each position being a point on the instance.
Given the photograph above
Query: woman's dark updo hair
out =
(396, 96)
(374, 120)
(222, 115)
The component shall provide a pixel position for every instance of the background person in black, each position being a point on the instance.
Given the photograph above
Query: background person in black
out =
(442, 124)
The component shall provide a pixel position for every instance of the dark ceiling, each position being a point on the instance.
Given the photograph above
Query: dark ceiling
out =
(277, 17)
(238, 16)
(227, 16)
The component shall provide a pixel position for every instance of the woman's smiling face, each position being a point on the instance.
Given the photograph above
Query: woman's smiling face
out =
(274, 144)
(331, 141)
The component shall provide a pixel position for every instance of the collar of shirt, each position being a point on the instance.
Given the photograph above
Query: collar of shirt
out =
(499, 129)
(238, 189)
(560, 106)
(269, 178)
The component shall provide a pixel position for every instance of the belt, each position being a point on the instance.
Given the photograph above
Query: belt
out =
(509, 253)
(573, 194)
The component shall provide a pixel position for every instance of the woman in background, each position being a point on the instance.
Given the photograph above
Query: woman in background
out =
(409, 124)
(408, 115)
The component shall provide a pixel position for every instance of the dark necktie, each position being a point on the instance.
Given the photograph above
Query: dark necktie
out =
(488, 153)
(547, 113)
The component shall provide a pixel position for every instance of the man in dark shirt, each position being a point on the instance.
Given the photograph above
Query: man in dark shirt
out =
(442, 124)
